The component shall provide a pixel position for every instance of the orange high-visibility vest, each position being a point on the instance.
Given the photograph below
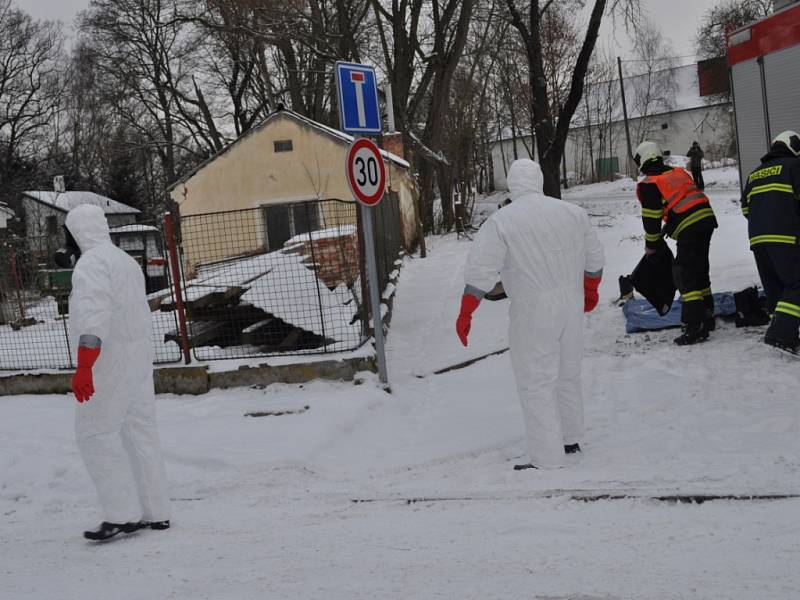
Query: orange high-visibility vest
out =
(678, 190)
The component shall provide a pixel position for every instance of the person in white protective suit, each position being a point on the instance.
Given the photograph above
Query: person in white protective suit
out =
(550, 262)
(110, 327)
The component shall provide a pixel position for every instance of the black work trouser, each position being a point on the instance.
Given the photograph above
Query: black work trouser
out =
(697, 175)
(779, 268)
(690, 274)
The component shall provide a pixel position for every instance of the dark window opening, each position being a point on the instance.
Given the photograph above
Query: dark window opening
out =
(285, 221)
(279, 227)
(665, 126)
(51, 225)
(305, 217)
(282, 145)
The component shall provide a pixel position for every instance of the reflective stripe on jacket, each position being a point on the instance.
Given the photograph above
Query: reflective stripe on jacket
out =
(678, 191)
(670, 195)
(771, 201)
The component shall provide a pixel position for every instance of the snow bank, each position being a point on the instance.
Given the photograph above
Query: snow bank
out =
(441, 513)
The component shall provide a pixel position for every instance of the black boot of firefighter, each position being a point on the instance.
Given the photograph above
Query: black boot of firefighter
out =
(783, 330)
(692, 333)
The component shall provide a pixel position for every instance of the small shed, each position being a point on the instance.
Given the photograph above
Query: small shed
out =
(277, 167)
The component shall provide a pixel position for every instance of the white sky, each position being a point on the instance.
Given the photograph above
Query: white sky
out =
(677, 18)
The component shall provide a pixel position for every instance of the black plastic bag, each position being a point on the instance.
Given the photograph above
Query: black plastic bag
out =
(750, 308)
(652, 278)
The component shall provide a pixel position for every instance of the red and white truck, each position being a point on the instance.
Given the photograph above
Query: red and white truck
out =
(764, 60)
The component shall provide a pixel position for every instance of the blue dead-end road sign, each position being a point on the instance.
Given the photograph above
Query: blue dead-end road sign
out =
(359, 112)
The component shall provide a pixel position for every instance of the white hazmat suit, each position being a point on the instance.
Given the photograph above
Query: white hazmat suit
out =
(540, 248)
(116, 429)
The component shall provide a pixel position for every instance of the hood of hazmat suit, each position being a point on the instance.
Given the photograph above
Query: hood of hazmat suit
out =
(540, 248)
(525, 178)
(116, 429)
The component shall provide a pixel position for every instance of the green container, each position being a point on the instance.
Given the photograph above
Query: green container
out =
(55, 280)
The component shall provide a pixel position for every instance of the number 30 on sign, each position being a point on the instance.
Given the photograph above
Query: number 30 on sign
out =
(366, 173)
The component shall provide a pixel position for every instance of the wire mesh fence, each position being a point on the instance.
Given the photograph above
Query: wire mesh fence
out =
(280, 279)
(388, 238)
(34, 298)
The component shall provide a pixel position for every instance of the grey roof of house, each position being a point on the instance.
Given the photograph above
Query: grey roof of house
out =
(66, 201)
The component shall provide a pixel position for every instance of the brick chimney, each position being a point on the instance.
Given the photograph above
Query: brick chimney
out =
(393, 142)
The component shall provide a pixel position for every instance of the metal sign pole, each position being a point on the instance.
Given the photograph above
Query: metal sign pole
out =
(374, 293)
(359, 114)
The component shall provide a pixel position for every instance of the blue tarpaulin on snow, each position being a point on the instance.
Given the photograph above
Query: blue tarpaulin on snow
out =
(641, 316)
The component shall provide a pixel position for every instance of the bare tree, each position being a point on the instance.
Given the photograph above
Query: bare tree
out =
(235, 61)
(145, 54)
(422, 51)
(31, 83)
(723, 17)
(652, 87)
(551, 127)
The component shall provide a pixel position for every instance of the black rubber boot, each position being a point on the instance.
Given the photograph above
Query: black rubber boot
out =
(693, 333)
(523, 467)
(793, 348)
(107, 530)
(157, 525)
(572, 448)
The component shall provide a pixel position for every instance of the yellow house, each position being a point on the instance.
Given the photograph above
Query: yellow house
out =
(267, 176)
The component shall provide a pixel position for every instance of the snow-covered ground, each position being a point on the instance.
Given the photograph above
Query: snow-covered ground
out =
(365, 494)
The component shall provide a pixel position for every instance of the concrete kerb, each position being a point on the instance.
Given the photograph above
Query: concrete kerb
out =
(197, 380)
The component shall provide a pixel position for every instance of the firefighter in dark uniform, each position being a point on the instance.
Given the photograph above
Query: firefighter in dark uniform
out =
(669, 194)
(771, 203)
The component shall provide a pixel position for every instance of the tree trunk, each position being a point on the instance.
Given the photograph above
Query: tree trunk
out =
(446, 194)
(426, 176)
(551, 133)
(552, 180)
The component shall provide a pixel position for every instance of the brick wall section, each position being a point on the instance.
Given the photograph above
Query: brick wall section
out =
(337, 258)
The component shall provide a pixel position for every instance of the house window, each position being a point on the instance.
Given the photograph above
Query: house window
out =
(665, 126)
(51, 225)
(282, 145)
(284, 221)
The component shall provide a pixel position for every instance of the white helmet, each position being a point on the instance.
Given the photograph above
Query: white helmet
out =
(647, 151)
(790, 139)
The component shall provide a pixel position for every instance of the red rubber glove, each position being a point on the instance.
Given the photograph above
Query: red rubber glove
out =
(82, 382)
(590, 295)
(468, 305)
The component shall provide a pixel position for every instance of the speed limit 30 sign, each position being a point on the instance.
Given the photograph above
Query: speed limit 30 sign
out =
(366, 172)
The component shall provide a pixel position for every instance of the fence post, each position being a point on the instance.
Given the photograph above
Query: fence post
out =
(317, 269)
(18, 285)
(362, 269)
(169, 225)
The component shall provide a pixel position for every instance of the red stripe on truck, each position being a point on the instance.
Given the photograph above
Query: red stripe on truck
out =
(776, 32)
